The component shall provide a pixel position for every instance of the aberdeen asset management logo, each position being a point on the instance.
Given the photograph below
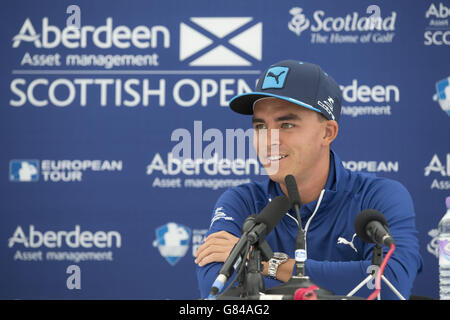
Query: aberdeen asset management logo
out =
(223, 41)
(443, 94)
(172, 241)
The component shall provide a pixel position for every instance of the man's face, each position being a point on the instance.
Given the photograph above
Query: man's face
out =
(300, 138)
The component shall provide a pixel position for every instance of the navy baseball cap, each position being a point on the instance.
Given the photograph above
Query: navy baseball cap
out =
(299, 82)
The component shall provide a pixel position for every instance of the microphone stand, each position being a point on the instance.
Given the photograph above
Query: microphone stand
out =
(300, 246)
(377, 259)
(254, 283)
(251, 282)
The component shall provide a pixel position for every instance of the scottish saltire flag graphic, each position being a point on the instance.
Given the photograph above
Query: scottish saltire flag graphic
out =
(221, 41)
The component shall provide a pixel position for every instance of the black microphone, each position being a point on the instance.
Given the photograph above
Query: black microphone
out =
(268, 218)
(294, 196)
(300, 243)
(255, 228)
(371, 226)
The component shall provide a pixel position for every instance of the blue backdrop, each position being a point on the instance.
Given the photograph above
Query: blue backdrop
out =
(95, 98)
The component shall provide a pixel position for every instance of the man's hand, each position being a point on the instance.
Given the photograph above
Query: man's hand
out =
(216, 248)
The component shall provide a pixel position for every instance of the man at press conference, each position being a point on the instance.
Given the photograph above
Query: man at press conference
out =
(302, 104)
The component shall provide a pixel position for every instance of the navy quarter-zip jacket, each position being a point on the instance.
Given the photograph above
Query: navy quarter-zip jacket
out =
(337, 259)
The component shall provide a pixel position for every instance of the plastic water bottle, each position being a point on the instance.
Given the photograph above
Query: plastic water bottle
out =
(444, 254)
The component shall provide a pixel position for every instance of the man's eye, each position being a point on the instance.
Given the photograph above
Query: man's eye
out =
(260, 126)
(287, 125)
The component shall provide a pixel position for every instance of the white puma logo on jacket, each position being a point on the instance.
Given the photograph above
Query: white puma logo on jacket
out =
(342, 240)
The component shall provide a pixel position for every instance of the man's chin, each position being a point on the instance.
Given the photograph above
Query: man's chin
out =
(275, 173)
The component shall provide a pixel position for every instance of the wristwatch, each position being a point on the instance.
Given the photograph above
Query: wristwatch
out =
(277, 259)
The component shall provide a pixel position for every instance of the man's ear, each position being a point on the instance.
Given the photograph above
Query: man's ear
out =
(331, 131)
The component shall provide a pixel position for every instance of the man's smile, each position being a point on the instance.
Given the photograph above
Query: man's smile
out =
(275, 158)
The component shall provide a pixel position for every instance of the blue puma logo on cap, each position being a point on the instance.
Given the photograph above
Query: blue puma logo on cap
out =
(275, 77)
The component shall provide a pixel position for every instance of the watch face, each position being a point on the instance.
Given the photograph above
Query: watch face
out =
(280, 256)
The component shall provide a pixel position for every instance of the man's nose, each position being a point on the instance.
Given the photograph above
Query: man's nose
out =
(273, 138)
(269, 138)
